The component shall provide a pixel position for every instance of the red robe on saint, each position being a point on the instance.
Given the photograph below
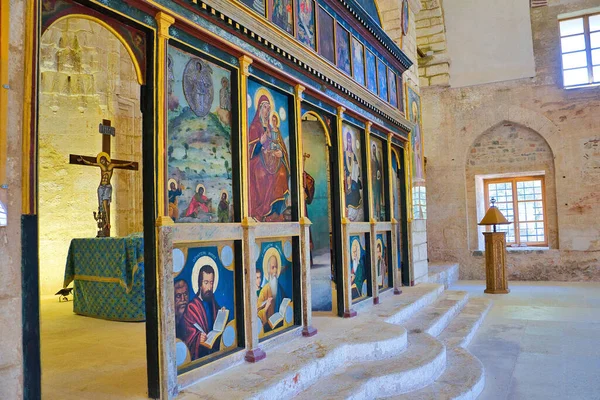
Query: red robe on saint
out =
(268, 186)
(196, 314)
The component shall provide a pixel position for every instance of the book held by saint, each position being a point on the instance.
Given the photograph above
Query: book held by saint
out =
(218, 328)
(280, 315)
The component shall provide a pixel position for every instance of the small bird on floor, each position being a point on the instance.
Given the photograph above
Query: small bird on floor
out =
(63, 293)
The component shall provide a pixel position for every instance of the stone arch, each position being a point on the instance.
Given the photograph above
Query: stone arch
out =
(87, 74)
(508, 149)
(111, 29)
(521, 116)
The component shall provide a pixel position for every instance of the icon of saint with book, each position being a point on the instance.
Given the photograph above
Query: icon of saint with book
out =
(357, 272)
(204, 320)
(272, 300)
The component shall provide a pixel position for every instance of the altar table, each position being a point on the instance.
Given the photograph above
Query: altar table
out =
(108, 275)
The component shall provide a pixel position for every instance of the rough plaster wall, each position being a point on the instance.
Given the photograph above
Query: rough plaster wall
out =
(509, 148)
(86, 76)
(488, 41)
(11, 351)
(569, 121)
(392, 12)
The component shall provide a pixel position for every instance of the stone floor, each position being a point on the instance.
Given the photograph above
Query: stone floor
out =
(89, 358)
(541, 341)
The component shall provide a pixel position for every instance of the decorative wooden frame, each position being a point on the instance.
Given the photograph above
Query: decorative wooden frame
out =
(516, 221)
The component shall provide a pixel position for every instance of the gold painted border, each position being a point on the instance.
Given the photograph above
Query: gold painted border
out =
(325, 128)
(30, 73)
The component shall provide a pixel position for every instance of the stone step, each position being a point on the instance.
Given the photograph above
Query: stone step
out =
(443, 273)
(463, 379)
(464, 376)
(297, 364)
(418, 366)
(462, 329)
(434, 318)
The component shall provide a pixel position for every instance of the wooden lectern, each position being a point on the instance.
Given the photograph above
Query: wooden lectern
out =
(495, 252)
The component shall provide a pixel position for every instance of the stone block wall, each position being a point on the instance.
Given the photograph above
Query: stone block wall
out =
(86, 75)
(434, 67)
(11, 346)
(567, 120)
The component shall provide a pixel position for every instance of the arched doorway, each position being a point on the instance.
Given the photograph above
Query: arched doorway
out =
(317, 193)
(91, 76)
(400, 213)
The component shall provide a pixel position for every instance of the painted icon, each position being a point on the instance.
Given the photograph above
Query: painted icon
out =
(353, 173)
(325, 26)
(204, 290)
(305, 30)
(280, 13)
(371, 71)
(269, 160)
(199, 154)
(342, 47)
(358, 61)
(358, 270)
(382, 79)
(274, 288)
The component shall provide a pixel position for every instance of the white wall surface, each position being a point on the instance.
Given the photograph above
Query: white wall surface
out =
(488, 41)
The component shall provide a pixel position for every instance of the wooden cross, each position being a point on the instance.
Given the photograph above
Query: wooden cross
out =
(107, 166)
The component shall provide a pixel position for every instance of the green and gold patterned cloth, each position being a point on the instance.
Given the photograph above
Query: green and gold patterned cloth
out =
(108, 275)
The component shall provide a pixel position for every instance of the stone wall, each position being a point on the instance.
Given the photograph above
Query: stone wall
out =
(434, 68)
(11, 350)
(86, 75)
(508, 149)
(392, 23)
(568, 121)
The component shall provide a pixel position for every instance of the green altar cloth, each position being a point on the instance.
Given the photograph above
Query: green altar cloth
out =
(108, 275)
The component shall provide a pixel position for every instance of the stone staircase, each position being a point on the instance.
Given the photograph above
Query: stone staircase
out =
(411, 346)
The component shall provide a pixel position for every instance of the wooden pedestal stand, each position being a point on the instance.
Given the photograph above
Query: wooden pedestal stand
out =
(495, 268)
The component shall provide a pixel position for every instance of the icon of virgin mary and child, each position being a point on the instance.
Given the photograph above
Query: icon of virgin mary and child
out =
(269, 165)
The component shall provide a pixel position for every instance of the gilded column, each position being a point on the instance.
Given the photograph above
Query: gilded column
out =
(164, 21)
(346, 292)
(372, 221)
(396, 272)
(164, 224)
(253, 351)
(307, 329)
(409, 207)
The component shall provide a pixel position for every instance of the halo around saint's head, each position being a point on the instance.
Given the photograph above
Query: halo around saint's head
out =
(259, 93)
(200, 186)
(202, 261)
(171, 181)
(415, 110)
(356, 244)
(380, 243)
(274, 114)
(102, 154)
(223, 191)
(272, 252)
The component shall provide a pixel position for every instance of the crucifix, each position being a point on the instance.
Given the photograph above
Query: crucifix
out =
(107, 166)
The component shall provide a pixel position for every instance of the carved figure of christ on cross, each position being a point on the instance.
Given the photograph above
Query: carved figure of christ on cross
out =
(107, 167)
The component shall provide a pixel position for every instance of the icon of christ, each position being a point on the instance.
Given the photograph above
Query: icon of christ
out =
(106, 172)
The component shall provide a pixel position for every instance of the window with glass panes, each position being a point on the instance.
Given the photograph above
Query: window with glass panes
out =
(521, 200)
(580, 46)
